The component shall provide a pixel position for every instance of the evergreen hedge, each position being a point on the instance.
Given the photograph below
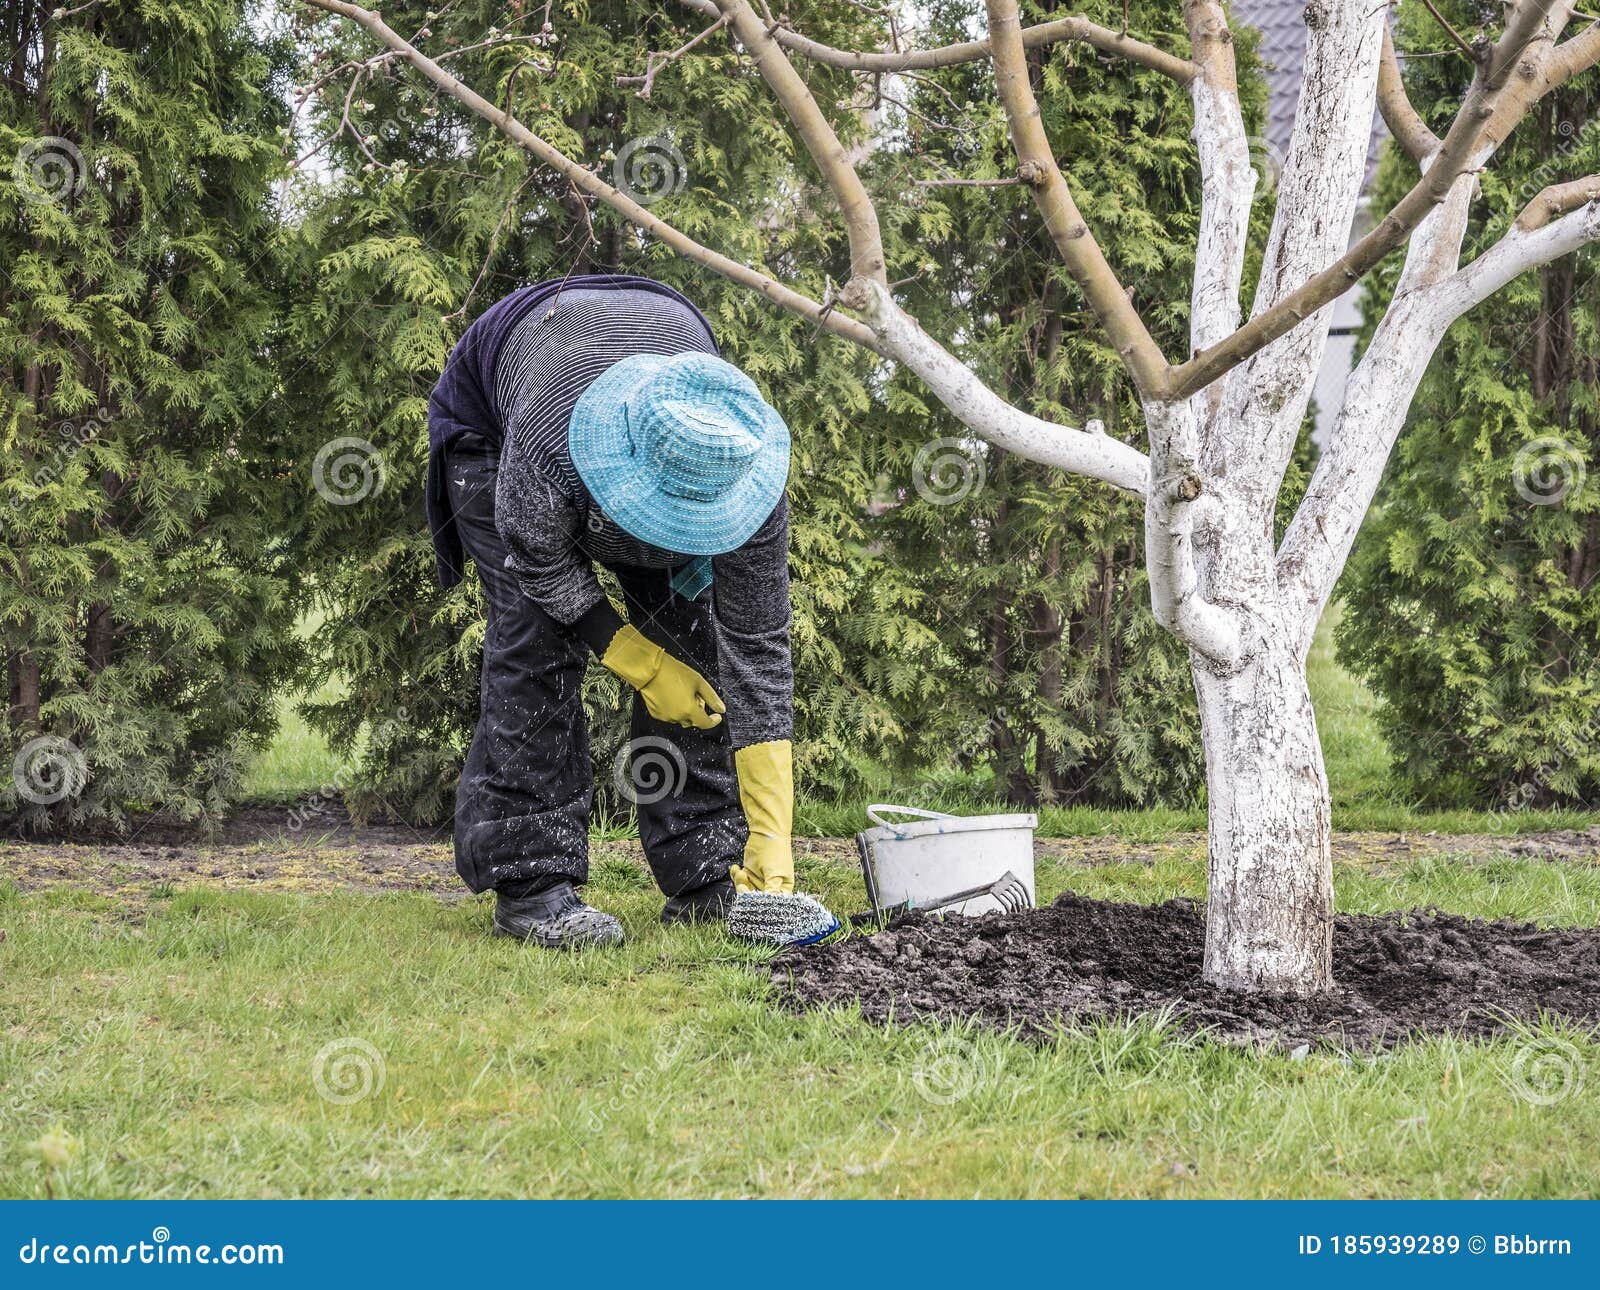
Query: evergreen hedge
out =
(1472, 591)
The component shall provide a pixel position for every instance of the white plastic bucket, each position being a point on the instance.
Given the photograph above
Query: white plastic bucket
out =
(937, 855)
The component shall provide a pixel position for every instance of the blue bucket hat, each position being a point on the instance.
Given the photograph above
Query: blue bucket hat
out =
(681, 451)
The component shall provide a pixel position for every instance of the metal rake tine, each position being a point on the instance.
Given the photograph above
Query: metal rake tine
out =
(1012, 894)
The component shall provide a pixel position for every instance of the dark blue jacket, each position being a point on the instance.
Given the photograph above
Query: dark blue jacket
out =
(463, 400)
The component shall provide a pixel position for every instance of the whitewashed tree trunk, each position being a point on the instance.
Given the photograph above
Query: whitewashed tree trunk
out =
(1269, 910)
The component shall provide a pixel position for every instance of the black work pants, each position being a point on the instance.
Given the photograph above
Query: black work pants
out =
(522, 807)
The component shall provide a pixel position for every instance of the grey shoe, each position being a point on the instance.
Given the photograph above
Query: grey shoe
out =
(556, 919)
(708, 904)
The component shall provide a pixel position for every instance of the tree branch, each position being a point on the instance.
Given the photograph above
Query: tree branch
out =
(860, 217)
(1557, 200)
(1084, 259)
(1527, 245)
(1176, 489)
(985, 413)
(588, 182)
(1576, 55)
(1317, 542)
(655, 60)
(971, 51)
(1430, 297)
(1455, 36)
(1227, 179)
(1410, 131)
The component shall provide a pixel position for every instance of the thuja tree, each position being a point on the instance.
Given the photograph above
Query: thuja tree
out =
(1047, 665)
(1473, 587)
(413, 220)
(1222, 418)
(145, 598)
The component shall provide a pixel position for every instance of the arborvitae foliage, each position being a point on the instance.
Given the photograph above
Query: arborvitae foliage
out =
(145, 603)
(1473, 605)
(1034, 651)
(422, 217)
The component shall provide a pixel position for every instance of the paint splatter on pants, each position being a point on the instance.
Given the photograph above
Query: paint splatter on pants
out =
(522, 807)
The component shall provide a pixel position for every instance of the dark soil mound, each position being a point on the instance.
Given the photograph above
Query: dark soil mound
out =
(1399, 974)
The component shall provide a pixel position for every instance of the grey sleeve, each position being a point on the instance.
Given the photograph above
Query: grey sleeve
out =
(540, 529)
(751, 590)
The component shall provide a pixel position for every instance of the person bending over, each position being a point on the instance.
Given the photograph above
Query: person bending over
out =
(591, 422)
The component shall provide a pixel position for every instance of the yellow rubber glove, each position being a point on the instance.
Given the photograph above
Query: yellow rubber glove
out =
(672, 691)
(766, 789)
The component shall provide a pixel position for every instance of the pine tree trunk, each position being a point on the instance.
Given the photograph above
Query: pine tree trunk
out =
(1269, 915)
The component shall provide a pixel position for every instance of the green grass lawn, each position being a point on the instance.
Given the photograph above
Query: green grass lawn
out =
(198, 1042)
(171, 1049)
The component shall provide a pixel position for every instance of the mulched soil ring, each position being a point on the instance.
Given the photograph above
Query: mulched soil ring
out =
(1397, 975)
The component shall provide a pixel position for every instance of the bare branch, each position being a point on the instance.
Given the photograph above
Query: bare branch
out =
(1450, 31)
(986, 414)
(1084, 259)
(655, 61)
(1176, 490)
(60, 15)
(1377, 398)
(1557, 200)
(1578, 54)
(1576, 207)
(1428, 299)
(967, 183)
(860, 217)
(1405, 123)
(971, 51)
(1227, 180)
(587, 181)
(494, 248)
